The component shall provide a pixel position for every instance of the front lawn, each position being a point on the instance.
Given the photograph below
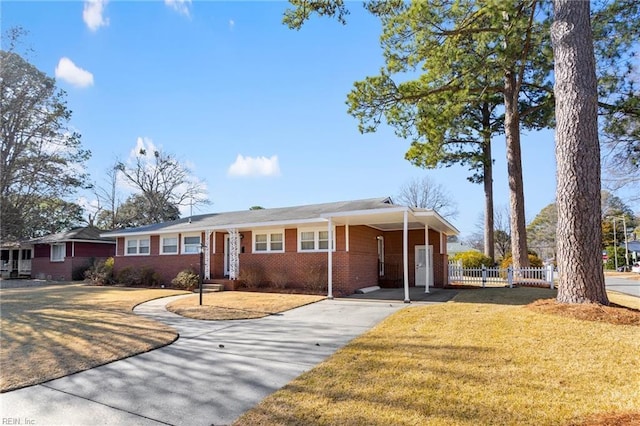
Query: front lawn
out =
(229, 305)
(50, 332)
(484, 358)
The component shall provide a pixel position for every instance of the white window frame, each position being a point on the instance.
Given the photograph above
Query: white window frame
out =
(184, 245)
(269, 233)
(166, 237)
(64, 252)
(316, 239)
(138, 245)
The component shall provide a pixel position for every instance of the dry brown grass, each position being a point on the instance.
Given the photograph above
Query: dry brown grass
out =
(484, 358)
(50, 332)
(231, 305)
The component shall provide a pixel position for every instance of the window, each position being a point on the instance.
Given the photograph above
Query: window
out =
(308, 240)
(169, 245)
(137, 246)
(190, 244)
(314, 240)
(268, 241)
(261, 242)
(58, 252)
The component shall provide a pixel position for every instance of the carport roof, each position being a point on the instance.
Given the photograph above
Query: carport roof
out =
(379, 213)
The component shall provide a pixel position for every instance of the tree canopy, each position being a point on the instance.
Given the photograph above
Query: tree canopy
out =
(425, 193)
(41, 156)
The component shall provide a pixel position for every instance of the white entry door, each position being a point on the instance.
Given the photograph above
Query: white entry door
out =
(226, 255)
(421, 266)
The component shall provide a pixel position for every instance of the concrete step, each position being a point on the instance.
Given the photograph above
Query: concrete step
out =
(210, 288)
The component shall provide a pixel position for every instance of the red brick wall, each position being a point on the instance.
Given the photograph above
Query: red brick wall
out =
(43, 268)
(393, 254)
(354, 269)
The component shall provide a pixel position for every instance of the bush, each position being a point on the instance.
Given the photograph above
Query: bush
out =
(149, 277)
(473, 259)
(186, 279)
(534, 261)
(128, 275)
(316, 277)
(100, 272)
(252, 276)
(279, 278)
(78, 273)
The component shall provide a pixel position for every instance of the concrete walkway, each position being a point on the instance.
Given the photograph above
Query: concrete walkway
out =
(213, 373)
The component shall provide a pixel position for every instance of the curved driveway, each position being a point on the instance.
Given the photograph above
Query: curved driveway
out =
(213, 373)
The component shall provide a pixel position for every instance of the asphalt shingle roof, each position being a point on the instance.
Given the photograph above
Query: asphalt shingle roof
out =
(264, 216)
(88, 233)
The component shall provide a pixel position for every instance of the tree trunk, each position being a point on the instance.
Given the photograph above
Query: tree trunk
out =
(579, 232)
(514, 169)
(487, 176)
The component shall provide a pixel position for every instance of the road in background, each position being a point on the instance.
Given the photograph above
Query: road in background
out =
(623, 285)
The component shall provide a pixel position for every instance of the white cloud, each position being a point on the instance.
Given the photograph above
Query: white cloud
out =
(146, 145)
(93, 12)
(259, 166)
(180, 6)
(67, 71)
(232, 24)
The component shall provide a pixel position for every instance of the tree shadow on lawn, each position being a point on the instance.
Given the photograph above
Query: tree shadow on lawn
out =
(50, 334)
(504, 295)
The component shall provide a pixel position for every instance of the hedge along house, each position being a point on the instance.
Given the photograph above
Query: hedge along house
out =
(372, 242)
(62, 255)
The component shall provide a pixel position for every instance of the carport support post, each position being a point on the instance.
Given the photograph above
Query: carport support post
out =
(405, 255)
(330, 260)
(427, 259)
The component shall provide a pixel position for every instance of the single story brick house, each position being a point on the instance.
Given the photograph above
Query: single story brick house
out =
(58, 256)
(372, 242)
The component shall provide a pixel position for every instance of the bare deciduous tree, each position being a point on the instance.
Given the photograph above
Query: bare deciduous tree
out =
(163, 181)
(424, 193)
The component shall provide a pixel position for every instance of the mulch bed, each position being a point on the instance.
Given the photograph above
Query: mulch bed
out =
(612, 314)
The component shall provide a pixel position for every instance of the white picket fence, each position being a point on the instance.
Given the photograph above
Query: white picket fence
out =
(507, 277)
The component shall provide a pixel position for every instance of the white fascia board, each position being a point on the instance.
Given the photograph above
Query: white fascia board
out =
(270, 224)
(365, 212)
(251, 225)
(433, 213)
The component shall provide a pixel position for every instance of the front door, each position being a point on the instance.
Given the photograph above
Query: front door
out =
(226, 255)
(421, 266)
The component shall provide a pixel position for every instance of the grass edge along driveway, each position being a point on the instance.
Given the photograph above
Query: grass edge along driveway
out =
(51, 332)
(484, 358)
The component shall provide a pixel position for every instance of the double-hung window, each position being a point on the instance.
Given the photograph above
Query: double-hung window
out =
(137, 246)
(268, 241)
(190, 244)
(169, 245)
(313, 240)
(58, 252)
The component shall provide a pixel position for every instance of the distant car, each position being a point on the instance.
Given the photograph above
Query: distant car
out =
(636, 268)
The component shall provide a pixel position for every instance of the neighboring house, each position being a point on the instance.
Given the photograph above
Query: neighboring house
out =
(15, 260)
(58, 256)
(373, 242)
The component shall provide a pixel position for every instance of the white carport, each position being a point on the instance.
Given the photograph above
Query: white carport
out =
(392, 218)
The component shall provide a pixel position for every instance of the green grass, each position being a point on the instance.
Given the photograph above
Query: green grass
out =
(484, 358)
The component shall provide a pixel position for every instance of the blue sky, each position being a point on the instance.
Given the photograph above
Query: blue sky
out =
(212, 81)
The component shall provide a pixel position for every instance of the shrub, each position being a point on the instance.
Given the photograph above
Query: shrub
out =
(473, 259)
(78, 272)
(534, 261)
(128, 275)
(100, 272)
(316, 277)
(279, 278)
(149, 277)
(186, 279)
(252, 276)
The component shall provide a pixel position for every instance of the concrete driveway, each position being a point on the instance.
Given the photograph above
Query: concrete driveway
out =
(213, 373)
